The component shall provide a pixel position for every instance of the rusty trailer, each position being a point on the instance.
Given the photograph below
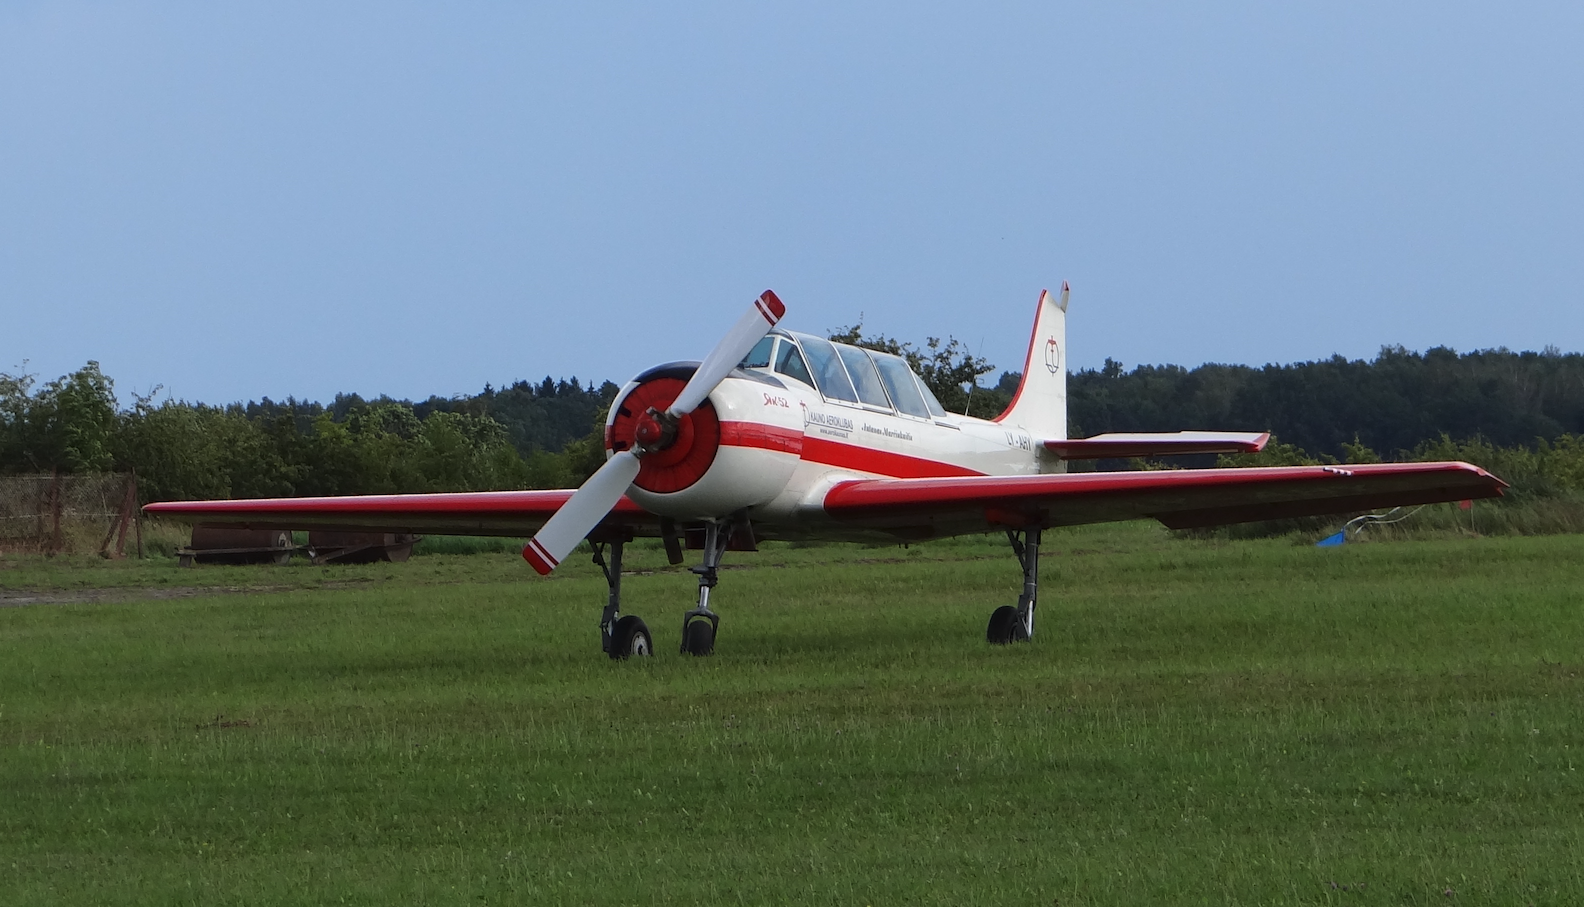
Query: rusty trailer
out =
(359, 547)
(213, 545)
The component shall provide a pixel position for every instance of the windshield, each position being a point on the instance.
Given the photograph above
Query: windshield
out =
(759, 356)
(789, 362)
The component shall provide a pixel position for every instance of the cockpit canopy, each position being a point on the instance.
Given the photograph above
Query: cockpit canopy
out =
(846, 374)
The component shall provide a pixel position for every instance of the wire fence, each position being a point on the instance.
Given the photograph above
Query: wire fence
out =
(68, 514)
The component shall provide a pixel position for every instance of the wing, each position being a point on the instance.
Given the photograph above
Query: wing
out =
(1181, 499)
(515, 514)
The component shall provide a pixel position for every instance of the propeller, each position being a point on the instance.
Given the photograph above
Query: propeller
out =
(654, 431)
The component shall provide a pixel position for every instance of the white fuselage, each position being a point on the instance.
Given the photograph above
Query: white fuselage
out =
(784, 444)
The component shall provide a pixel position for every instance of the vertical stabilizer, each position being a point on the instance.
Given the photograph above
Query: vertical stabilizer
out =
(1040, 405)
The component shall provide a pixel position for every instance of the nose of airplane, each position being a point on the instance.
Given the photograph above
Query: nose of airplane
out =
(674, 456)
(678, 468)
(648, 431)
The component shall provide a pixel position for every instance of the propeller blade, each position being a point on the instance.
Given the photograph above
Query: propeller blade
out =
(590, 503)
(749, 329)
(581, 513)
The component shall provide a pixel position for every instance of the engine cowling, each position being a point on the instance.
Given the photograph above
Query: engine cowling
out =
(691, 451)
(733, 451)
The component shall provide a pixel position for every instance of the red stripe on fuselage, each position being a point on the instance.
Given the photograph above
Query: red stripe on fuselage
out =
(879, 462)
(760, 435)
(828, 452)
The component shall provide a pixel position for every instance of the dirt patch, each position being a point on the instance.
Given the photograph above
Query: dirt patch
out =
(221, 722)
(110, 596)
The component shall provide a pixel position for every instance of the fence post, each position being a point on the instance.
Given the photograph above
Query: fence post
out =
(58, 542)
(137, 516)
(40, 508)
(118, 527)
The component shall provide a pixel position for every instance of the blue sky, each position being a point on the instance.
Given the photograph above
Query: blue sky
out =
(243, 200)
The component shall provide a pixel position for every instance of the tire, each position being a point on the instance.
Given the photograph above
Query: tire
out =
(1003, 628)
(630, 637)
(698, 637)
(283, 541)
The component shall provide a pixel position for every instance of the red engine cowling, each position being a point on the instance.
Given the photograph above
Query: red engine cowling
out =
(688, 457)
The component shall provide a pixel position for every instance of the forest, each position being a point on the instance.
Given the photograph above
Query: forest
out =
(1518, 410)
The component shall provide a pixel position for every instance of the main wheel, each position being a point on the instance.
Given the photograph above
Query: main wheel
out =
(1004, 626)
(630, 637)
(698, 637)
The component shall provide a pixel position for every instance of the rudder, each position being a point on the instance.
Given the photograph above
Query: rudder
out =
(1039, 407)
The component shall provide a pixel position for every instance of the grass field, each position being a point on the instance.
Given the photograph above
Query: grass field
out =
(1197, 722)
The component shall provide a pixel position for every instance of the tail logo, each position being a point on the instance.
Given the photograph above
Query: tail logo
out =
(1052, 356)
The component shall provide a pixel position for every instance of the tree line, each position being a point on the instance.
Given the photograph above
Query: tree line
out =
(1496, 404)
(1390, 404)
(523, 436)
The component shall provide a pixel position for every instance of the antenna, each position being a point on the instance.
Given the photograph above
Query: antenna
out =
(975, 382)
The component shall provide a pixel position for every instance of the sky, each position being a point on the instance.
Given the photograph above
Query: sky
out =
(227, 202)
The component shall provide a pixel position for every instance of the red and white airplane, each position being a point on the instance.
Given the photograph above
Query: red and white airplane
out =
(782, 435)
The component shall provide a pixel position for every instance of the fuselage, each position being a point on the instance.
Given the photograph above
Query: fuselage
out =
(800, 415)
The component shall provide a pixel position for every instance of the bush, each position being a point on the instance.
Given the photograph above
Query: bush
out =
(1545, 494)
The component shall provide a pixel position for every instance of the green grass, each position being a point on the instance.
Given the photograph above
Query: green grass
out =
(1197, 722)
(454, 544)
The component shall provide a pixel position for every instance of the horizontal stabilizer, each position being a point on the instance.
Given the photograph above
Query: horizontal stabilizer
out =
(1163, 444)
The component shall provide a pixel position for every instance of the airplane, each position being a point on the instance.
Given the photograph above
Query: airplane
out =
(781, 435)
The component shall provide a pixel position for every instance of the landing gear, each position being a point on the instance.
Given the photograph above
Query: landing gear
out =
(630, 637)
(700, 624)
(626, 636)
(698, 634)
(620, 637)
(1010, 624)
(1004, 626)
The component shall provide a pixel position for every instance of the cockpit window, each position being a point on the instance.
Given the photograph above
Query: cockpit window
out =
(759, 356)
(789, 362)
(934, 405)
(829, 375)
(898, 380)
(862, 372)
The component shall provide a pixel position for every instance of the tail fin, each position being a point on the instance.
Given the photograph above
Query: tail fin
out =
(1040, 405)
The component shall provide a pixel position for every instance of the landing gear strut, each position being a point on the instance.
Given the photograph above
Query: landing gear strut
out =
(1009, 624)
(620, 637)
(699, 625)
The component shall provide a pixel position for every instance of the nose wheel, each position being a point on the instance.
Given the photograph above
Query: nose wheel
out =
(700, 624)
(698, 634)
